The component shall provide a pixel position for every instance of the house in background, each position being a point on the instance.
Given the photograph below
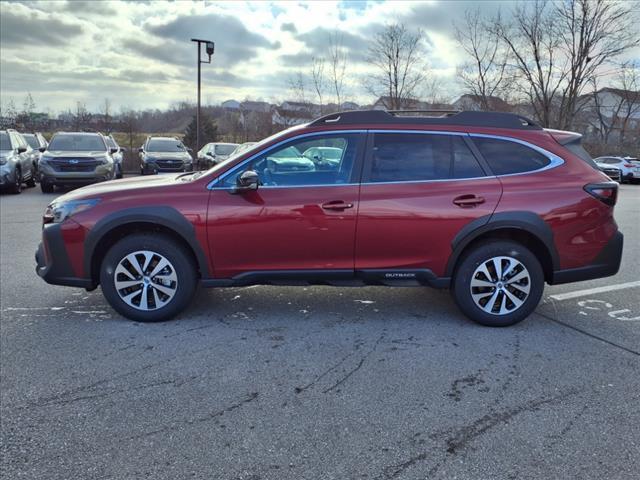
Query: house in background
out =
(230, 105)
(252, 106)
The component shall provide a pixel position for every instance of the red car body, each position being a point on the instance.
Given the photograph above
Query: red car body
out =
(373, 233)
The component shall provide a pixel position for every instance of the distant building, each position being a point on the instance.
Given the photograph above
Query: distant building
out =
(287, 118)
(349, 106)
(251, 106)
(231, 105)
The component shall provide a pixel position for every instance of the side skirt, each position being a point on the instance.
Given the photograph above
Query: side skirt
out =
(338, 278)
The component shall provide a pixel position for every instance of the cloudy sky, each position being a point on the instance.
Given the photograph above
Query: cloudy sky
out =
(138, 54)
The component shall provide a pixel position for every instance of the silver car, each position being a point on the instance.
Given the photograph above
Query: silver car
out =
(628, 169)
(76, 159)
(16, 165)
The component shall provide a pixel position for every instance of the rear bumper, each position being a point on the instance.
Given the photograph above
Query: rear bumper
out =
(607, 263)
(52, 261)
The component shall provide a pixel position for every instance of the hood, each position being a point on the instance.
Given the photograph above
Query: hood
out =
(122, 186)
(65, 154)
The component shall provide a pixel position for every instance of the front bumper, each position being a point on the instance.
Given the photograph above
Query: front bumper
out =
(153, 166)
(55, 177)
(52, 261)
(607, 263)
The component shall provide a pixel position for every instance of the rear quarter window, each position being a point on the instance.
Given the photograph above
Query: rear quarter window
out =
(506, 157)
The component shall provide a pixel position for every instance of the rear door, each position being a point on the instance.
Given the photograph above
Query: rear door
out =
(419, 189)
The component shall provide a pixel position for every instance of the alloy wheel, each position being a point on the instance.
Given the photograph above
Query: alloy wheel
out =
(145, 280)
(500, 285)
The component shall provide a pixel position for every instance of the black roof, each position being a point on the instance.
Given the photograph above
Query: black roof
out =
(429, 117)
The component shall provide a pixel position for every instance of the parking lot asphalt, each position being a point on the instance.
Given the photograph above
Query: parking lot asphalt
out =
(316, 383)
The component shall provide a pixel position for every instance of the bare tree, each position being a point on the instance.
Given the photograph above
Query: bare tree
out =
(319, 80)
(108, 119)
(558, 48)
(81, 117)
(337, 66)
(485, 74)
(396, 55)
(129, 125)
(298, 88)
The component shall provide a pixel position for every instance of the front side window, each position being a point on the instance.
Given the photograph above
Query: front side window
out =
(288, 165)
(224, 149)
(31, 140)
(77, 143)
(5, 143)
(406, 157)
(506, 157)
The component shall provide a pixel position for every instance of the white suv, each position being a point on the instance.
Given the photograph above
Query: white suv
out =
(628, 166)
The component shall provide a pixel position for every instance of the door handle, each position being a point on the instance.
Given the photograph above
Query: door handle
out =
(336, 205)
(467, 201)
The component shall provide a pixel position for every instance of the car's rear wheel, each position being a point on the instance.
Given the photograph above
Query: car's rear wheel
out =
(498, 283)
(45, 186)
(148, 278)
(17, 183)
(31, 183)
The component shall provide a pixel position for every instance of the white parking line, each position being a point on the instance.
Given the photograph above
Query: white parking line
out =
(592, 291)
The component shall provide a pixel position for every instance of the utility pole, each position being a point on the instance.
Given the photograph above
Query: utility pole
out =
(209, 48)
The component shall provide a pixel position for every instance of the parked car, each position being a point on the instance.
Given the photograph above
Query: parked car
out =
(489, 205)
(76, 158)
(612, 172)
(37, 142)
(16, 166)
(628, 169)
(164, 154)
(118, 156)
(213, 153)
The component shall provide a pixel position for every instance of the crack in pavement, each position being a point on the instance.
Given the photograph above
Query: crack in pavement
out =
(205, 418)
(457, 439)
(357, 367)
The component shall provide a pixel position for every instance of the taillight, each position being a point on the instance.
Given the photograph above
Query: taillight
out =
(607, 193)
(629, 165)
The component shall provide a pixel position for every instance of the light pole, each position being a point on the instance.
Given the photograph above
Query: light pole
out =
(209, 48)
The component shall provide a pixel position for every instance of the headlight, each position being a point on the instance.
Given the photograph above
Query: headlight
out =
(3, 161)
(59, 212)
(44, 159)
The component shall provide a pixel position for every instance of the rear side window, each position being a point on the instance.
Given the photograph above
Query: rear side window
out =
(506, 157)
(418, 157)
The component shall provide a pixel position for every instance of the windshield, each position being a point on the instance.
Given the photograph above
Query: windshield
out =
(164, 145)
(225, 149)
(4, 141)
(77, 143)
(31, 140)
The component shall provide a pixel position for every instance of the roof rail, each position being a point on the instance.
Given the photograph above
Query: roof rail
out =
(428, 117)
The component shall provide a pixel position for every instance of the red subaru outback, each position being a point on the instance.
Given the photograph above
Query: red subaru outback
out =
(489, 205)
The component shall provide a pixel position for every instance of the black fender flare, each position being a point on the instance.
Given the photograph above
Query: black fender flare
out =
(165, 216)
(521, 220)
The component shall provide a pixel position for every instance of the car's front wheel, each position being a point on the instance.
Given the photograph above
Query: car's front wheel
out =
(148, 278)
(498, 283)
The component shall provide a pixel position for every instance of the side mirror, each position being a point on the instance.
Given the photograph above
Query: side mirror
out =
(123, 150)
(42, 149)
(211, 154)
(248, 180)
(22, 149)
(113, 150)
(140, 150)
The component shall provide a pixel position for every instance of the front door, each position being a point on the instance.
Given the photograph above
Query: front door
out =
(418, 190)
(301, 217)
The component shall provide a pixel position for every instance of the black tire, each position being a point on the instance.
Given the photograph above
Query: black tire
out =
(181, 262)
(118, 172)
(484, 252)
(16, 188)
(31, 183)
(46, 187)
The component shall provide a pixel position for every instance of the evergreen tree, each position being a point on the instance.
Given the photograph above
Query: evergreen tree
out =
(208, 132)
